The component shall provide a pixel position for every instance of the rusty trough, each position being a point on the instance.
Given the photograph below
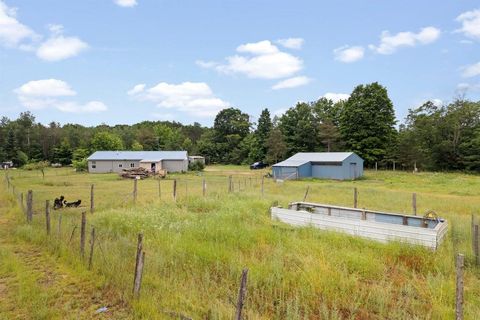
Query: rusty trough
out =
(428, 231)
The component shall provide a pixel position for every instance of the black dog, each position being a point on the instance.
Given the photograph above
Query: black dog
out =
(72, 204)
(58, 203)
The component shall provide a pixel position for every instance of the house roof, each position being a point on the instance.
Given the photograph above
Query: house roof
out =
(151, 156)
(305, 157)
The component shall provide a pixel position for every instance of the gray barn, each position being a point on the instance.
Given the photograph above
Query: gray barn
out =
(116, 161)
(326, 165)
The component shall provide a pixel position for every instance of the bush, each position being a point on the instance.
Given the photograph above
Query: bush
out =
(80, 165)
(196, 166)
(36, 165)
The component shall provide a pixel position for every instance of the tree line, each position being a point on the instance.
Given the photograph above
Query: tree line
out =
(431, 137)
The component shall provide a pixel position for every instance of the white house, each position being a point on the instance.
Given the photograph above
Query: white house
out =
(116, 161)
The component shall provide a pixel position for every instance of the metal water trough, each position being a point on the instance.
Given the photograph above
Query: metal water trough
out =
(428, 231)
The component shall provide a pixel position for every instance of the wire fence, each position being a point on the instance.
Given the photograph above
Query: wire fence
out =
(118, 257)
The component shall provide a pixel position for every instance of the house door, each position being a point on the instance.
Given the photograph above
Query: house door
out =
(353, 170)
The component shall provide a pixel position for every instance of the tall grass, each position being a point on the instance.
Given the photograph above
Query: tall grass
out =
(196, 247)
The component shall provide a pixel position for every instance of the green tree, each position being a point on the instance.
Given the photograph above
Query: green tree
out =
(261, 134)
(276, 146)
(106, 141)
(11, 146)
(367, 122)
(63, 153)
(136, 146)
(299, 128)
(230, 127)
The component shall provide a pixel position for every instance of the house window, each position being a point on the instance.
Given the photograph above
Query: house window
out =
(132, 165)
(94, 166)
(120, 165)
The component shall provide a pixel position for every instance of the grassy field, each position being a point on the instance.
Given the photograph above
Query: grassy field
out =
(197, 246)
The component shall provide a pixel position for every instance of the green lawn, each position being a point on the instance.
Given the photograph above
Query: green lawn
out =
(196, 247)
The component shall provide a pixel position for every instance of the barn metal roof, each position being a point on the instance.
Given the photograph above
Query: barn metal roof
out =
(139, 155)
(305, 157)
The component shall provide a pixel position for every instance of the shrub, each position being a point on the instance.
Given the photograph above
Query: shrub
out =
(196, 166)
(80, 165)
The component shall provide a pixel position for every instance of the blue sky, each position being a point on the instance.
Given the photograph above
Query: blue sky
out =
(125, 61)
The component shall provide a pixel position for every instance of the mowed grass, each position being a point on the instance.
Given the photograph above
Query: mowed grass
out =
(197, 246)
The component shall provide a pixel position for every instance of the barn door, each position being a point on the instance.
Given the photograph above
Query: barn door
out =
(353, 170)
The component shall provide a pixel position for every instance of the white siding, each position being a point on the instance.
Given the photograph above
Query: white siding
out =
(378, 231)
(175, 165)
(104, 166)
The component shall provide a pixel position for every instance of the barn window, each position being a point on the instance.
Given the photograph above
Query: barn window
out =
(326, 163)
(132, 165)
(120, 165)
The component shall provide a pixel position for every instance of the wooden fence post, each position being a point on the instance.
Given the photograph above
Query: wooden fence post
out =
(29, 206)
(229, 183)
(92, 244)
(393, 165)
(459, 288)
(138, 265)
(355, 197)
(414, 203)
(92, 199)
(242, 292)
(263, 182)
(376, 166)
(138, 278)
(47, 215)
(476, 249)
(175, 189)
(306, 194)
(186, 188)
(204, 187)
(135, 181)
(82, 234)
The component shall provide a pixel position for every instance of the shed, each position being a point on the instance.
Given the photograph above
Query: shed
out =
(116, 161)
(326, 165)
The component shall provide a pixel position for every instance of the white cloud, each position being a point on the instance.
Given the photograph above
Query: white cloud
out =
(471, 70)
(206, 64)
(336, 97)
(17, 35)
(195, 98)
(390, 43)
(258, 48)
(50, 93)
(45, 88)
(470, 21)
(12, 32)
(126, 3)
(261, 60)
(349, 54)
(292, 83)
(74, 107)
(137, 89)
(58, 47)
(292, 43)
